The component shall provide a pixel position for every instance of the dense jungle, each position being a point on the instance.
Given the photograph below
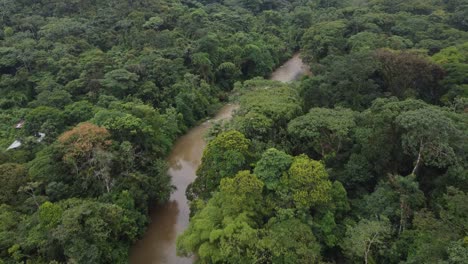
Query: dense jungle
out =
(363, 159)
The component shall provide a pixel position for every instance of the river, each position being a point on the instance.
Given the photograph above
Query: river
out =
(158, 245)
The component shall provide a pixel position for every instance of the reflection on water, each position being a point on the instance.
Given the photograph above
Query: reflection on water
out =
(158, 246)
(159, 238)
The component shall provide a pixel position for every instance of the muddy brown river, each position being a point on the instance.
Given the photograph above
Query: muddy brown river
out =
(158, 245)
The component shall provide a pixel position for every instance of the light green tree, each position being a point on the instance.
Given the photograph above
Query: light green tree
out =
(366, 237)
(307, 183)
(271, 167)
(225, 229)
(325, 130)
(223, 157)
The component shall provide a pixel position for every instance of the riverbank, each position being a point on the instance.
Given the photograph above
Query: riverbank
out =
(169, 220)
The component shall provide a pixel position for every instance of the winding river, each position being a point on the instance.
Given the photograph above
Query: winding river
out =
(158, 246)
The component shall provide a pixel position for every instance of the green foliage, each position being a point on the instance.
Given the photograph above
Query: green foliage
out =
(435, 238)
(225, 228)
(265, 108)
(45, 120)
(223, 157)
(140, 73)
(154, 23)
(325, 130)
(78, 112)
(366, 237)
(427, 135)
(454, 60)
(323, 39)
(239, 223)
(347, 81)
(308, 182)
(339, 204)
(56, 98)
(12, 177)
(193, 100)
(271, 166)
(365, 41)
(50, 215)
(119, 82)
(61, 67)
(453, 54)
(8, 224)
(289, 241)
(102, 222)
(380, 129)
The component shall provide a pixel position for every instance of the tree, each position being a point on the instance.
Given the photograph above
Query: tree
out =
(271, 167)
(8, 228)
(406, 74)
(265, 109)
(31, 189)
(327, 230)
(61, 27)
(80, 142)
(452, 54)
(140, 124)
(427, 136)
(364, 41)
(86, 150)
(192, 98)
(257, 61)
(123, 126)
(436, 233)
(225, 228)
(410, 197)
(357, 172)
(458, 17)
(323, 39)
(339, 204)
(254, 125)
(92, 232)
(153, 185)
(78, 112)
(289, 241)
(120, 82)
(57, 98)
(348, 81)
(454, 60)
(12, 177)
(458, 253)
(223, 157)
(379, 135)
(204, 66)
(45, 120)
(365, 237)
(154, 23)
(308, 183)
(226, 73)
(325, 130)
(396, 198)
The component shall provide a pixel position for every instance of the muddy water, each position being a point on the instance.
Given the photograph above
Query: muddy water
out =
(291, 70)
(158, 246)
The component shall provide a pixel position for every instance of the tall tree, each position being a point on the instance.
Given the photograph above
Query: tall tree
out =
(223, 157)
(428, 135)
(365, 237)
(325, 130)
